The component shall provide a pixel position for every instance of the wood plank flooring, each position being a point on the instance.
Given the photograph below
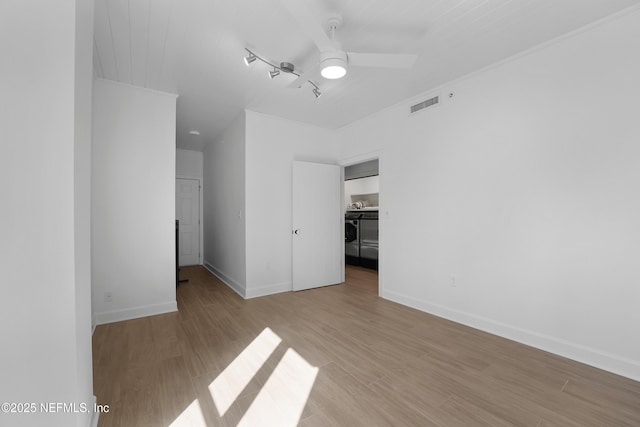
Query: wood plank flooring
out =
(225, 361)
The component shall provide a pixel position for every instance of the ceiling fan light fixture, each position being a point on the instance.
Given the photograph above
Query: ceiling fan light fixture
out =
(333, 65)
(333, 72)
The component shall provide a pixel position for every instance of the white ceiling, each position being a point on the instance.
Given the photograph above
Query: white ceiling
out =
(195, 48)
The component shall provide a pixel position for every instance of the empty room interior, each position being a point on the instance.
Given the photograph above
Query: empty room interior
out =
(320, 213)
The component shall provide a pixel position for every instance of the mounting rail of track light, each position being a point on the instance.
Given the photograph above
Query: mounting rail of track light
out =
(285, 67)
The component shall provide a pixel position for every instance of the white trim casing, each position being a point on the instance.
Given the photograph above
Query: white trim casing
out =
(269, 290)
(577, 352)
(135, 312)
(237, 287)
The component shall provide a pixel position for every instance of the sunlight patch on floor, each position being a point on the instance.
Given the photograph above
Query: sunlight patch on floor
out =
(280, 401)
(190, 417)
(283, 397)
(226, 388)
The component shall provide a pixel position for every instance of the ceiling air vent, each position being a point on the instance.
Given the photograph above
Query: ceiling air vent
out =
(424, 104)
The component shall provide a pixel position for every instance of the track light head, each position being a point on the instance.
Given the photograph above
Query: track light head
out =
(249, 59)
(274, 73)
(317, 92)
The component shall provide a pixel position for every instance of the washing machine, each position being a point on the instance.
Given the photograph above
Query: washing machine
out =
(368, 230)
(352, 237)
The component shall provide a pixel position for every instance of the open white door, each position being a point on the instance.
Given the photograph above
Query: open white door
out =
(317, 225)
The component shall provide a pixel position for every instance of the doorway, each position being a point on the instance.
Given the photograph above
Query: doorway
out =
(188, 215)
(361, 201)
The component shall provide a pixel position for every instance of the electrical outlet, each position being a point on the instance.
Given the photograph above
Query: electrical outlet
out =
(108, 297)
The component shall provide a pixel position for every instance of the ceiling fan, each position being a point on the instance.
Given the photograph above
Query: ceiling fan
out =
(334, 62)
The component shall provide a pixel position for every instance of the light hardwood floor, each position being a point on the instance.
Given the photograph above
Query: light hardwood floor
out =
(378, 363)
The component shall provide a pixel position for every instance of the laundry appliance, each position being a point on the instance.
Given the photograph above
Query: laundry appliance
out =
(352, 237)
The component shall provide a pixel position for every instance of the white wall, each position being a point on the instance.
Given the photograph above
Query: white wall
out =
(45, 126)
(189, 163)
(133, 201)
(272, 144)
(523, 187)
(224, 206)
(82, 210)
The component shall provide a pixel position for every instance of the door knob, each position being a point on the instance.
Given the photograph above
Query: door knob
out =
(296, 231)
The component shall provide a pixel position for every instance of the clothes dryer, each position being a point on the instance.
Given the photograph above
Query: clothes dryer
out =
(352, 238)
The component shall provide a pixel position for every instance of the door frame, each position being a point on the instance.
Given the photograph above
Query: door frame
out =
(383, 214)
(201, 225)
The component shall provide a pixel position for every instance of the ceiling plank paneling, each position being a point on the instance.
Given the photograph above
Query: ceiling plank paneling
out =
(195, 48)
(139, 14)
(159, 16)
(174, 59)
(119, 20)
(103, 42)
(97, 66)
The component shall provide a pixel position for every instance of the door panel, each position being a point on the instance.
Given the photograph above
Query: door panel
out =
(188, 213)
(317, 225)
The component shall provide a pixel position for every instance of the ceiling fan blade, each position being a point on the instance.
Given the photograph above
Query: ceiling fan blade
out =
(381, 60)
(298, 81)
(308, 23)
(302, 79)
(310, 72)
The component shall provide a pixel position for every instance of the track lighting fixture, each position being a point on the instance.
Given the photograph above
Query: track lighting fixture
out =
(249, 59)
(284, 67)
(315, 90)
(274, 73)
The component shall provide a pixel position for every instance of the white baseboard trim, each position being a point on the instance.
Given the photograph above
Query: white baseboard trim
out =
(94, 415)
(590, 356)
(269, 290)
(135, 312)
(237, 287)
